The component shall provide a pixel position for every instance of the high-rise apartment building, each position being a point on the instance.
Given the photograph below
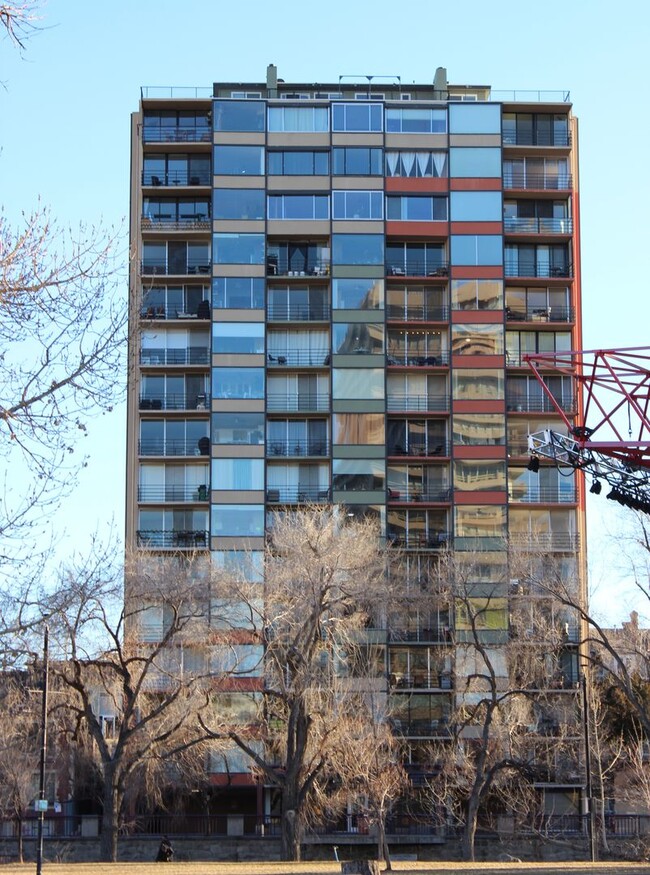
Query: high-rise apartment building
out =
(333, 291)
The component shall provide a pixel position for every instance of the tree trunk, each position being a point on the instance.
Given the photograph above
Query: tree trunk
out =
(382, 845)
(469, 832)
(110, 818)
(290, 835)
(19, 838)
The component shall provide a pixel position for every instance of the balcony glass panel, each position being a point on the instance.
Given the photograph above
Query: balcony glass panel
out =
(416, 259)
(231, 520)
(238, 248)
(478, 161)
(416, 303)
(238, 115)
(480, 339)
(356, 161)
(238, 203)
(479, 475)
(479, 429)
(304, 119)
(238, 337)
(480, 527)
(476, 249)
(417, 483)
(416, 437)
(358, 294)
(474, 118)
(358, 428)
(238, 382)
(299, 206)
(358, 383)
(238, 474)
(355, 475)
(486, 384)
(303, 162)
(416, 121)
(357, 205)
(417, 347)
(356, 338)
(238, 160)
(355, 249)
(421, 208)
(293, 303)
(165, 437)
(475, 206)
(357, 117)
(238, 428)
(243, 293)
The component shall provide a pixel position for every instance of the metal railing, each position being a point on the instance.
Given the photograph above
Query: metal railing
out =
(421, 635)
(404, 402)
(530, 96)
(417, 313)
(159, 268)
(422, 728)
(190, 356)
(307, 447)
(529, 268)
(433, 448)
(298, 401)
(540, 404)
(175, 401)
(420, 680)
(174, 493)
(190, 223)
(298, 358)
(543, 495)
(439, 269)
(417, 493)
(297, 494)
(431, 540)
(404, 357)
(520, 225)
(537, 138)
(176, 177)
(179, 539)
(556, 541)
(319, 312)
(175, 134)
(178, 447)
(540, 314)
(538, 181)
(282, 267)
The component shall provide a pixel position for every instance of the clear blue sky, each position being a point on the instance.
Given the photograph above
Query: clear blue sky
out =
(64, 131)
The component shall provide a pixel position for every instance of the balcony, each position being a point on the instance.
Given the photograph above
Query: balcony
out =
(298, 358)
(404, 358)
(410, 267)
(422, 728)
(307, 447)
(398, 402)
(540, 269)
(155, 267)
(537, 138)
(530, 181)
(417, 313)
(173, 493)
(538, 541)
(419, 494)
(432, 540)
(187, 223)
(313, 267)
(540, 314)
(540, 404)
(421, 635)
(176, 177)
(420, 680)
(317, 312)
(433, 448)
(298, 495)
(517, 225)
(303, 402)
(175, 447)
(175, 401)
(190, 356)
(175, 134)
(543, 495)
(182, 539)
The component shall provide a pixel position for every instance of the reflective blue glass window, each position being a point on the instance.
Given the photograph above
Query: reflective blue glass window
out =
(238, 382)
(298, 163)
(298, 118)
(356, 161)
(299, 206)
(475, 162)
(238, 203)
(358, 294)
(238, 248)
(238, 337)
(238, 160)
(230, 520)
(237, 474)
(357, 205)
(238, 115)
(416, 121)
(416, 208)
(238, 292)
(476, 206)
(472, 249)
(357, 116)
(358, 248)
(474, 118)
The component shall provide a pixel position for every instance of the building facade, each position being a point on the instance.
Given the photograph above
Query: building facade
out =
(334, 288)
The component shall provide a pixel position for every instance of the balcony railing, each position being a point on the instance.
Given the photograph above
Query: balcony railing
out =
(176, 177)
(417, 313)
(174, 134)
(540, 314)
(537, 138)
(403, 357)
(418, 493)
(179, 539)
(407, 403)
(298, 358)
(308, 447)
(538, 181)
(174, 493)
(544, 495)
(529, 268)
(178, 447)
(190, 223)
(298, 401)
(149, 267)
(298, 312)
(421, 635)
(556, 541)
(431, 540)
(433, 448)
(540, 404)
(421, 728)
(175, 401)
(418, 268)
(190, 356)
(297, 494)
(420, 680)
(283, 267)
(517, 225)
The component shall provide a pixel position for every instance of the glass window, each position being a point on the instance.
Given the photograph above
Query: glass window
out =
(474, 249)
(479, 429)
(238, 382)
(474, 118)
(416, 209)
(238, 248)
(239, 160)
(353, 475)
(238, 519)
(483, 339)
(238, 203)
(238, 337)
(244, 293)
(479, 474)
(298, 163)
(486, 384)
(298, 118)
(356, 161)
(480, 521)
(238, 428)
(238, 115)
(475, 206)
(358, 294)
(476, 295)
(416, 121)
(357, 205)
(238, 473)
(299, 206)
(357, 117)
(358, 337)
(416, 164)
(479, 161)
(243, 565)
(358, 428)
(358, 248)
(358, 383)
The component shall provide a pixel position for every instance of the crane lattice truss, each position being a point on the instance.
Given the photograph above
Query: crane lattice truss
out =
(610, 437)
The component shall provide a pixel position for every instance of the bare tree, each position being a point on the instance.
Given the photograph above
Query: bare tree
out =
(19, 20)
(133, 675)
(324, 579)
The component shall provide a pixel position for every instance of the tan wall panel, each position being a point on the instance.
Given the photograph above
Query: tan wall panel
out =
(239, 138)
(304, 227)
(244, 226)
(298, 138)
(298, 183)
(232, 181)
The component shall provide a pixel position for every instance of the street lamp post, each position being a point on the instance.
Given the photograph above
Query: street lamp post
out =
(591, 821)
(42, 800)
